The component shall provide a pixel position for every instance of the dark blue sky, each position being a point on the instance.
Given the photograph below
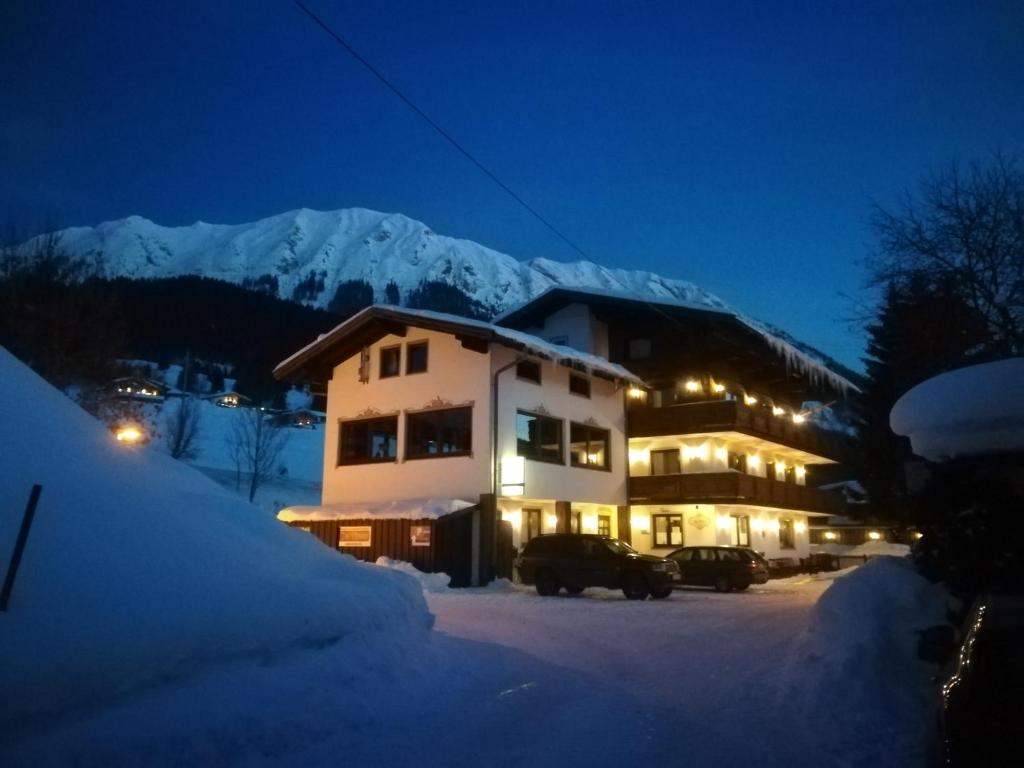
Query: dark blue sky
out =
(734, 145)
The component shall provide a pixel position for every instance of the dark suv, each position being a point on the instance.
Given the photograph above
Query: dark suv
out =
(724, 568)
(577, 561)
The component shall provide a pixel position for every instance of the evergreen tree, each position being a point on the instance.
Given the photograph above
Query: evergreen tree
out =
(443, 297)
(350, 297)
(391, 293)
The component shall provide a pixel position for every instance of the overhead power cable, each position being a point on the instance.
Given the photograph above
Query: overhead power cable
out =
(447, 136)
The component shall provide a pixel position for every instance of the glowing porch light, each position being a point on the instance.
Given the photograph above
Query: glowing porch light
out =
(635, 393)
(513, 516)
(799, 418)
(757, 525)
(552, 521)
(724, 522)
(722, 453)
(513, 476)
(692, 452)
(917, 535)
(589, 523)
(692, 385)
(637, 455)
(830, 535)
(753, 461)
(776, 411)
(640, 523)
(718, 388)
(799, 526)
(774, 525)
(129, 435)
(874, 535)
(801, 472)
(780, 469)
(749, 400)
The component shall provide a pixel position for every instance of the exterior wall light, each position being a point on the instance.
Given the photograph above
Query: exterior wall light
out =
(874, 535)
(749, 400)
(776, 411)
(830, 535)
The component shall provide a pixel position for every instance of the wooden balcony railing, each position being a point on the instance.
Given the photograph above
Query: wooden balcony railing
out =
(730, 488)
(732, 416)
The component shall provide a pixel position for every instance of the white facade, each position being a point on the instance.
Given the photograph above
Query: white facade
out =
(460, 377)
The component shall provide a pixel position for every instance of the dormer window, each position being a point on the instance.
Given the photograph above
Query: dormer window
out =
(528, 370)
(390, 362)
(579, 385)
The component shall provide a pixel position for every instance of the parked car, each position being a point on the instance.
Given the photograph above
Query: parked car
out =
(724, 568)
(979, 698)
(576, 561)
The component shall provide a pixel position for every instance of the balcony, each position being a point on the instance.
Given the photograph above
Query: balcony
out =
(730, 488)
(732, 416)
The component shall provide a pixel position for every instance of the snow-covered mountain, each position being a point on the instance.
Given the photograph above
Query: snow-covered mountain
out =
(303, 249)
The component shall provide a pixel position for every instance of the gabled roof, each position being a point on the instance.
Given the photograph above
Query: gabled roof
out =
(535, 310)
(316, 359)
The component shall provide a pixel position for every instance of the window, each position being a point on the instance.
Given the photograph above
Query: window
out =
(738, 461)
(604, 525)
(368, 440)
(667, 530)
(786, 540)
(579, 385)
(769, 470)
(639, 348)
(740, 531)
(390, 361)
(416, 357)
(588, 446)
(539, 437)
(528, 371)
(790, 474)
(439, 433)
(665, 462)
(575, 524)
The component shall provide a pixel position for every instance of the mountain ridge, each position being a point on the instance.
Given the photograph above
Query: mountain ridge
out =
(304, 254)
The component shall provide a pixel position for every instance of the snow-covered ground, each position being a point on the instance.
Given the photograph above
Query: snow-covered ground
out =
(796, 672)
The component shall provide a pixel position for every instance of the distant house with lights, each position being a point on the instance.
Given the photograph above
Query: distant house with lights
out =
(660, 423)
(138, 388)
(229, 399)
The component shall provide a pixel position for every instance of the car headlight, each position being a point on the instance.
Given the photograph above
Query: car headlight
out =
(660, 567)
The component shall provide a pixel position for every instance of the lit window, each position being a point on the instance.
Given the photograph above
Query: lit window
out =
(665, 462)
(667, 530)
(588, 446)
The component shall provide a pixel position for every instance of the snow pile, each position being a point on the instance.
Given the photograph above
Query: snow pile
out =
(854, 673)
(867, 549)
(431, 582)
(403, 509)
(971, 411)
(140, 569)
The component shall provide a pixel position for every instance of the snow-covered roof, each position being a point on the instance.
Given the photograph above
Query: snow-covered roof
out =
(795, 359)
(425, 318)
(405, 509)
(972, 411)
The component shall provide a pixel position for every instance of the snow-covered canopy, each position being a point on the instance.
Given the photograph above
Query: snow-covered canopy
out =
(424, 318)
(972, 411)
(795, 359)
(406, 509)
(139, 568)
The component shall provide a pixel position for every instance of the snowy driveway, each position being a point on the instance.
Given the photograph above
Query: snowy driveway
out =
(708, 670)
(508, 679)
